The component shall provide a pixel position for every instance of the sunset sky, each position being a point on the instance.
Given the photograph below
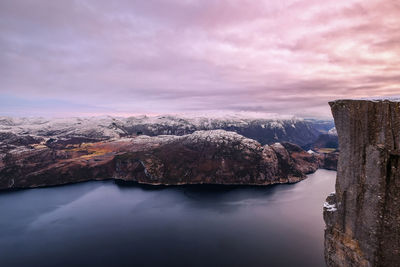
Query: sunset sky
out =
(60, 58)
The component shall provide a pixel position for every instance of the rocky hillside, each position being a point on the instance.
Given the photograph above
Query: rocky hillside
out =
(214, 157)
(264, 129)
(363, 216)
(326, 140)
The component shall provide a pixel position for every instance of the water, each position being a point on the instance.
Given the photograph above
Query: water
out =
(105, 224)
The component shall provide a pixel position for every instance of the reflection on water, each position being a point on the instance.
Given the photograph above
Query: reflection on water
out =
(105, 224)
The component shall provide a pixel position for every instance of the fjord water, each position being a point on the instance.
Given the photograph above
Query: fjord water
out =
(106, 224)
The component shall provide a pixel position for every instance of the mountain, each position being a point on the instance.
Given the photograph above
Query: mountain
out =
(213, 157)
(231, 149)
(266, 129)
(326, 140)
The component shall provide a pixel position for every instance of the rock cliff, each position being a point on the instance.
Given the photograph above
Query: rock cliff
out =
(213, 157)
(363, 216)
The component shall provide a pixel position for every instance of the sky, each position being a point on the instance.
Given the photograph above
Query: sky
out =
(127, 57)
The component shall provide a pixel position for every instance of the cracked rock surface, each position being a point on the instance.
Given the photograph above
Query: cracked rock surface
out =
(363, 216)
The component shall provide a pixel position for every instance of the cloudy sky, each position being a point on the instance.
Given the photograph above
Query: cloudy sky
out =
(160, 56)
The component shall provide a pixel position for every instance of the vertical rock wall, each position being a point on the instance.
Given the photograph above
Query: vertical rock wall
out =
(363, 216)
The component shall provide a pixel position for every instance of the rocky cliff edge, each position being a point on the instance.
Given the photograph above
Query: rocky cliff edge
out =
(363, 215)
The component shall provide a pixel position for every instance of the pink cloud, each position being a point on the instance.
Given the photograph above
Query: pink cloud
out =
(169, 56)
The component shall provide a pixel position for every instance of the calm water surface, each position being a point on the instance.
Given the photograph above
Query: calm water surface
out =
(105, 224)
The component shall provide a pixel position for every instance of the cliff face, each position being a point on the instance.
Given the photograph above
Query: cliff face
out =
(363, 216)
(214, 157)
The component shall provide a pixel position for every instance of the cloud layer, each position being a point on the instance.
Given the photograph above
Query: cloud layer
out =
(155, 56)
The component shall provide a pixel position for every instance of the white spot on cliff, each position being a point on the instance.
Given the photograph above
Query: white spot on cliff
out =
(330, 207)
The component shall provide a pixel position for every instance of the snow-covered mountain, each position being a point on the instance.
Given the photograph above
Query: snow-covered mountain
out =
(165, 149)
(265, 128)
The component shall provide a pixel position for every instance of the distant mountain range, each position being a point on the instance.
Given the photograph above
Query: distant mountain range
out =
(163, 150)
(62, 131)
